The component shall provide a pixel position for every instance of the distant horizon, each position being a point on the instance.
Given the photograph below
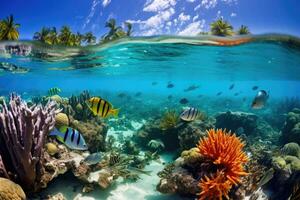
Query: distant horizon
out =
(155, 17)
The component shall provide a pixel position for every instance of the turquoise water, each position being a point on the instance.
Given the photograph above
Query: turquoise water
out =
(132, 67)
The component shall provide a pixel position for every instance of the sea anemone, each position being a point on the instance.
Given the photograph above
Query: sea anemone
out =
(225, 152)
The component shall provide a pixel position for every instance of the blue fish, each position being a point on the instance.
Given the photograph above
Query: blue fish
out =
(70, 137)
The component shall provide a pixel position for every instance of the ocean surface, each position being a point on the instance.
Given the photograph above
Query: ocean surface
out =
(144, 76)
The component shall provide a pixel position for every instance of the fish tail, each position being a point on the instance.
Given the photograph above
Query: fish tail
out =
(115, 112)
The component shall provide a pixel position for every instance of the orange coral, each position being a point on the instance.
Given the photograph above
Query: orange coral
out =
(226, 152)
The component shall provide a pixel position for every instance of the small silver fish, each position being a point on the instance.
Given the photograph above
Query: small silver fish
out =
(260, 99)
(189, 114)
(93, 158)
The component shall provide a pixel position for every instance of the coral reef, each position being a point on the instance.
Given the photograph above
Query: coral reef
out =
(218, 162)
(291, 129)
(23, 132)
(94, 132)
(183, 136)
(10, 190)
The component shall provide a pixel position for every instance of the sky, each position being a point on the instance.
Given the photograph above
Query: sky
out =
(154, 17)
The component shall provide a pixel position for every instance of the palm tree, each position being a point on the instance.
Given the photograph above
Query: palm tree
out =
(129, 28)
(221, 28)
(43, 35)
(89, 38)
(243, 30)
(53, 36)
(9, 29)
(113, 30)
(78, 39)
(65, 35)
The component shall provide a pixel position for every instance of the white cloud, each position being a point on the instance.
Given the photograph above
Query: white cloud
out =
(105, 3)
(191, 1)
(91, 14)
(209, 3)
(193, 28)
(158, 5)
(195, 17)
(219, 14)
(233, 14)
(182, 17)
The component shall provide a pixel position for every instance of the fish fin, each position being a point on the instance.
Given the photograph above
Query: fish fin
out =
(115, 112)
(89, 106)
(55, 132)
(60, 139)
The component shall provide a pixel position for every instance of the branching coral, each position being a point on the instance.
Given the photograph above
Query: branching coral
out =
(225, 152)
(22, 135)
(169, 120)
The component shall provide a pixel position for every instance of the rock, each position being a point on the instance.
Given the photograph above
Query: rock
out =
(105, 179)
(51, 148)
(291, 129)
(234, 121)
(180, 182)
(246, 124)
(61, 119)
(58, 196)
(191, 133)
(10, 190)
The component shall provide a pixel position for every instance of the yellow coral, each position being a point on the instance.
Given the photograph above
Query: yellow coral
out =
(51, 148)
(61, 119)
(169, 120)
(10, 190)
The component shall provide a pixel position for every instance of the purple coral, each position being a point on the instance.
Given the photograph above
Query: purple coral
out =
(23, 131)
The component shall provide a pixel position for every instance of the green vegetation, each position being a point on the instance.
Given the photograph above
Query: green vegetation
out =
(9, 29)
(221, 27)
(116, 32)
(243, 30)
(64, 37)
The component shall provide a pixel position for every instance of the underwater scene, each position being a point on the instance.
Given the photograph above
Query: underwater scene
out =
(211, 116)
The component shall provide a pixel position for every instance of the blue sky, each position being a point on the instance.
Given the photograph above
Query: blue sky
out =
(154, 17)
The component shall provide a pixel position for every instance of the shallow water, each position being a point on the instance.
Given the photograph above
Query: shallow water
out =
(141, 70)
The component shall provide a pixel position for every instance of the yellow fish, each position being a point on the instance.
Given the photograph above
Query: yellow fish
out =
(101, 107)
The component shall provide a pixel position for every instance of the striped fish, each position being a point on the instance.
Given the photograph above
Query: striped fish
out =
(54, 91)
(101, 107)
(189, 114)
(70, 137)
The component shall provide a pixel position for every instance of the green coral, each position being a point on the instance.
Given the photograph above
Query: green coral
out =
(191, 156)
(293, 162)
(291, 149)
(279, 162)
(169, 120)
